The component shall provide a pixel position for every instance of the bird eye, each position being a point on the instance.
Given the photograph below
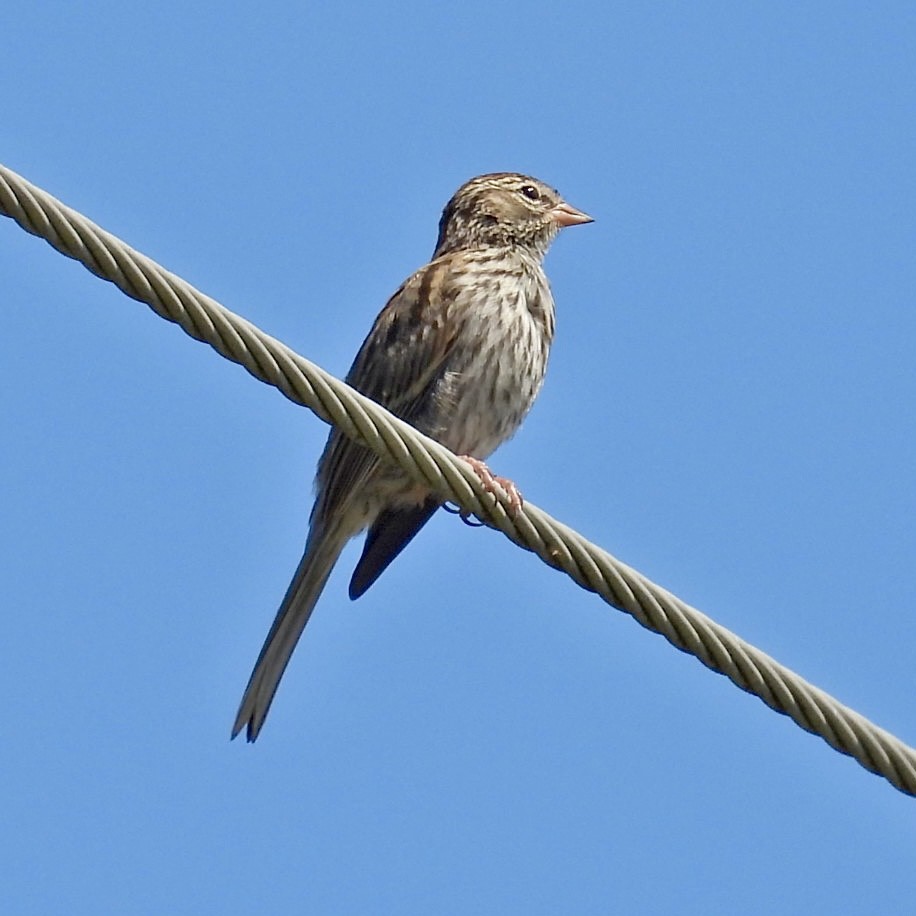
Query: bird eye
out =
(531, 192)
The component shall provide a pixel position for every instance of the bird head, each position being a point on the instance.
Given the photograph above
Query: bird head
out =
(505, 209)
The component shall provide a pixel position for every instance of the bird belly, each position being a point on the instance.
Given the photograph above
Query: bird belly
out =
(486, 395)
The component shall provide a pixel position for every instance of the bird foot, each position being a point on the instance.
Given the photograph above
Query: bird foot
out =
(490, 482)
(466, 517)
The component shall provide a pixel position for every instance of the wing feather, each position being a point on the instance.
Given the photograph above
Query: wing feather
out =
(400, 365)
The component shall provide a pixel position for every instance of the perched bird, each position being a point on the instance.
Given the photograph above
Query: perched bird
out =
(459, 352)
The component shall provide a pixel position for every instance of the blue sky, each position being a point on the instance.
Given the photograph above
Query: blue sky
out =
(729, 408)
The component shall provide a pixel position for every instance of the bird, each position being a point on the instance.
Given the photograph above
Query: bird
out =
(459, 352)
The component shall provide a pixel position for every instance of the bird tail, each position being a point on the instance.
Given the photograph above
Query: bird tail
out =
(321, 553)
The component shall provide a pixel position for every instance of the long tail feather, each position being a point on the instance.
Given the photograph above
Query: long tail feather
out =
(320, 555)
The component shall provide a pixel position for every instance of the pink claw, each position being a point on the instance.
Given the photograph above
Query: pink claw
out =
(490, 482)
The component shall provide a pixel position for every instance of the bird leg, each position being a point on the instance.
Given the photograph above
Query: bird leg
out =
(490, 482)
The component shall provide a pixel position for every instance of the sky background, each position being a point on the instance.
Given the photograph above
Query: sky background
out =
(729, 409)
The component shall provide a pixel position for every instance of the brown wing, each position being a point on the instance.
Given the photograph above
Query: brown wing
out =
(399, 365)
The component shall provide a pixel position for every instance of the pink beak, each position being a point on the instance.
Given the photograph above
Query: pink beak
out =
(565, 215)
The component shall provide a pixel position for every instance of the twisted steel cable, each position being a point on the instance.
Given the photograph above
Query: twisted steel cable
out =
(429, 463)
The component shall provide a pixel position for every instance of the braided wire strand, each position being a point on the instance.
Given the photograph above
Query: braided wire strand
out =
(429, 463)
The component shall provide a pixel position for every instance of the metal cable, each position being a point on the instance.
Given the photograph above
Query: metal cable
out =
(428, 462)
